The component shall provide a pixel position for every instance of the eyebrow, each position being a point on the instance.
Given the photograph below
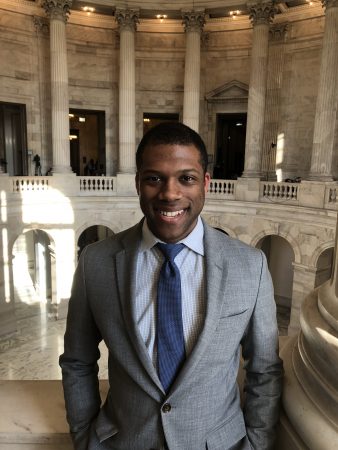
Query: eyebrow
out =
(183, 171)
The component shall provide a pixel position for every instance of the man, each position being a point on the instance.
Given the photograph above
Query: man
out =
(174, 327)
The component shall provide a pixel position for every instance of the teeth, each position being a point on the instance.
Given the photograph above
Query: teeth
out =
(171, 213)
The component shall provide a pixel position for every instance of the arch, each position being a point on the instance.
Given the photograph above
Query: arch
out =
(33, 269)
(324, 266)
(93, 223)
(318, 251)
(293, 243)
(280, 257)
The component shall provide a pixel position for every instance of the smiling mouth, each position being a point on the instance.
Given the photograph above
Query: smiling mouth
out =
(171, 213)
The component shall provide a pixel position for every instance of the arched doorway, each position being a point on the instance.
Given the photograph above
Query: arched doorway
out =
(280, 256)
(92, 234)
(34, 272)
(324, 266)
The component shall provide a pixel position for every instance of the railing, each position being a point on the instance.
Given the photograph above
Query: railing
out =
(296, 194)
(97, 185)
(24, 184)
(222, 188)
(274, 191)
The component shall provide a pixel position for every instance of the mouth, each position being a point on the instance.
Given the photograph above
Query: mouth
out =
(172, 214)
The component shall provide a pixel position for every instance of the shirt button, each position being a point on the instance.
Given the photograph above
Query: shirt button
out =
(166, 407)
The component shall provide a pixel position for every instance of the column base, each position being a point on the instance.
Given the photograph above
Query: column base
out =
(61, 170)
(253, 174)
(318, 177)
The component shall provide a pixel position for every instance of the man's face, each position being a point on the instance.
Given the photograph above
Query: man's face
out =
(171, 185)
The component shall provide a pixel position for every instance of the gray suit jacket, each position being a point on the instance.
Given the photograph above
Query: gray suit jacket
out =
(202, 410)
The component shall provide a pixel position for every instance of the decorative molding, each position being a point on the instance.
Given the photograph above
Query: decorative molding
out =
(329, 4)
(193, 20)
(57, 9)
(234, 90)
(127, 19)
(41, 24)
(278, 32)
(205, 38)
(262, 12)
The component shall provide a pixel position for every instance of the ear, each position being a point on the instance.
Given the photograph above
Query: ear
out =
(137, 183)
(206, 181)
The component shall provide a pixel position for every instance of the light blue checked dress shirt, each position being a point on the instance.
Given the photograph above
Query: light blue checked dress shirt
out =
(190, 262)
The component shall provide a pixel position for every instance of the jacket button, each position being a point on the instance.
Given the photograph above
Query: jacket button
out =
(166, 407)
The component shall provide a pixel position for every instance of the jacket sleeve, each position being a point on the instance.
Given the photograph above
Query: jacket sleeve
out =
(264, 369)
(79, 361)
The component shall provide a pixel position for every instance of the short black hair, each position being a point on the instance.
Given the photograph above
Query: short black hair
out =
(172, 133)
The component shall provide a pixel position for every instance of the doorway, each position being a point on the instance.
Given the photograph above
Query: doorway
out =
(152, 119)
(87, 134)
(13, 139)
(230, 146)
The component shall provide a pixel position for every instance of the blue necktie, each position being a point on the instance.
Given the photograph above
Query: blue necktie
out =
(170, 338)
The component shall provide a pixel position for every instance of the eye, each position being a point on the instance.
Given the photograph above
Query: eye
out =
(187, 179)
(153, 179)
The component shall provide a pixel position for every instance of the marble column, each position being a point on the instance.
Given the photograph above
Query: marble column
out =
(304, 279)
(193, 24)
(127, 20)
(326, 107)
(278, 34)
(261, 15)
(58, 12)
(310, 394)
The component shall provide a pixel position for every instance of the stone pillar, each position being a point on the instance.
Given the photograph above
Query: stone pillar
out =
(326, 107)
(58, 12)
(278, 33)
(193, 24)
(261, 14)
(304, 279)
(310, 394)
(127, 20)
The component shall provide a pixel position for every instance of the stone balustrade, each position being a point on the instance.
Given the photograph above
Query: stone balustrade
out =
(309, 194)
(279, 191)
(97, 185)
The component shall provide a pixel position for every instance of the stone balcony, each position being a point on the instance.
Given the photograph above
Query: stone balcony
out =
(321, 195)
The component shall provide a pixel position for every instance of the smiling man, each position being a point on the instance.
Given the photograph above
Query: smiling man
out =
(177, 304)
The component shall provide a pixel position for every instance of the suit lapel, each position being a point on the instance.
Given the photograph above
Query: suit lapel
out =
(216, 274)
(126, 276)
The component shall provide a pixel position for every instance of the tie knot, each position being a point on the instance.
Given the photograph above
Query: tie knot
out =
(170, 251)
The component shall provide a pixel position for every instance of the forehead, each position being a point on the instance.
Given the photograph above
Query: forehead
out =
(171, 154)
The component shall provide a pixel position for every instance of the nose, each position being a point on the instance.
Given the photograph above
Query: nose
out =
(171, 190)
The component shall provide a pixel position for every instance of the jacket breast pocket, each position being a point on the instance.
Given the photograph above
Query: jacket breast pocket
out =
(228, 434)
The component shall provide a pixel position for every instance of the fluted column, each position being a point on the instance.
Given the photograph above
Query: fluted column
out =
(193, 23)
(58, 12)
(326, 107)
(127, 20)
(261, 14)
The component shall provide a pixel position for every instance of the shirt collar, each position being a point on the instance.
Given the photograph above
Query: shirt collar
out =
(194, 240)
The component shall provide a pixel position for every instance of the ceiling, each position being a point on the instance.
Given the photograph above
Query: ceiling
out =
(148, 9)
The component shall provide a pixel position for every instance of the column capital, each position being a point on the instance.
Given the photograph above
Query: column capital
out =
(41, 24)
(57, 9)
(193, 20)
(261, 12)
(329, 4)
(278, 32)
(127, 18)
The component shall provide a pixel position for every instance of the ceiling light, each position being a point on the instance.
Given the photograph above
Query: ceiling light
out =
(82, 119)
(161, 17)
(88, 9)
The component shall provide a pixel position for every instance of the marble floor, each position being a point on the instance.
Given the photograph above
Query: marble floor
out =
(32, 352)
